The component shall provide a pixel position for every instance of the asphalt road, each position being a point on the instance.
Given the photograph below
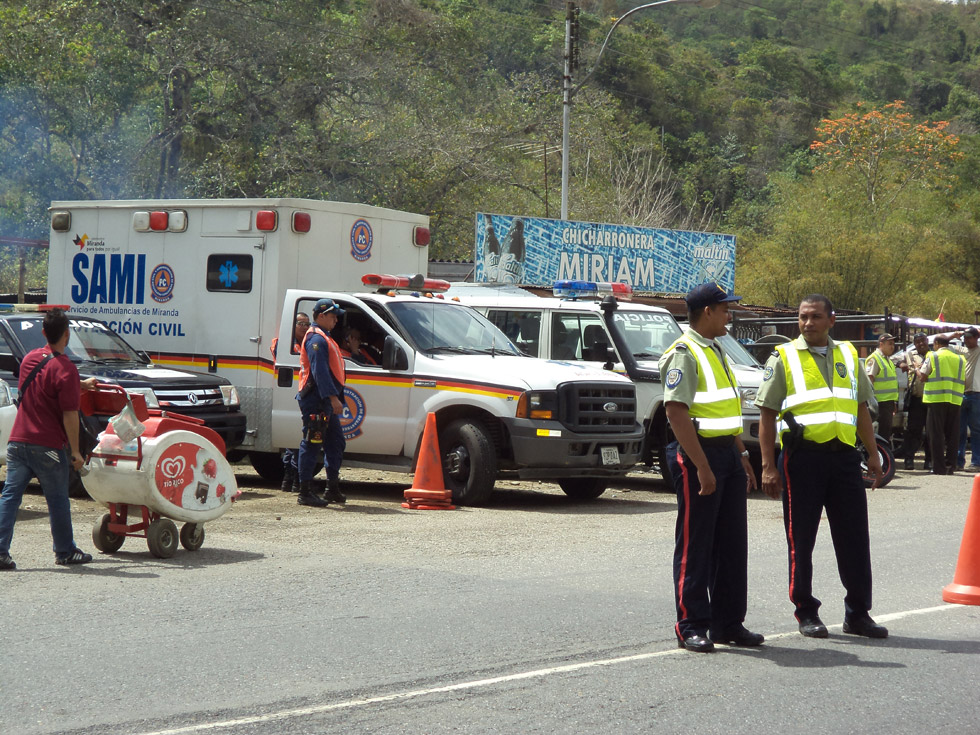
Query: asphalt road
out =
(534, 615)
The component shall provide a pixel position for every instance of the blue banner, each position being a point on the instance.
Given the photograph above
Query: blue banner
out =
(537, 252)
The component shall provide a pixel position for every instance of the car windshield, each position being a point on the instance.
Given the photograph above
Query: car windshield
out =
(736, 352)
(90, 341)
(648, 333)
(437, 326)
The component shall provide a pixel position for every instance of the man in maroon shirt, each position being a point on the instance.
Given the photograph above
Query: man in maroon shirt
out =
(44, 441)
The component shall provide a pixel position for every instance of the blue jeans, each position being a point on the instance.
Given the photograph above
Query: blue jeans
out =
(50, 466)
(970, 419)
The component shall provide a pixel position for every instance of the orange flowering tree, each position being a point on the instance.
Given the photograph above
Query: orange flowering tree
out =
(888, 152)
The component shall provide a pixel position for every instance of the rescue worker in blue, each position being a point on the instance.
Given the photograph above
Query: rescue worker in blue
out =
(290, 457)
(321, 388)
(816, 389)
(712, 476)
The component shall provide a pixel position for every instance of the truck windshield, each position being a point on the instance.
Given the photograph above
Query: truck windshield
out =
(738, 354)
(647, 333)
(90, 341)
(435, 326)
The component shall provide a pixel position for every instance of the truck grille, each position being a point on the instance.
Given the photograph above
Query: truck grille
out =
(598, 408)
(189, 400)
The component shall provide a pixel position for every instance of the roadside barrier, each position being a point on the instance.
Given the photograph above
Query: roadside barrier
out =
(428, 491)
(965, 588)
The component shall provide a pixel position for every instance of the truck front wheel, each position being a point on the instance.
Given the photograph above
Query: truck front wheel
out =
(469, 463)
(268, 465)
(583, 488)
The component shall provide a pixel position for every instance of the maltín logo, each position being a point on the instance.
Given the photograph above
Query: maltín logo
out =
(361, 239)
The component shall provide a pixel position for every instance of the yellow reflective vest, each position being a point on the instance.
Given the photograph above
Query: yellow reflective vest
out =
(886, 381)
(946, 381)
(717, 408)
(825, 412)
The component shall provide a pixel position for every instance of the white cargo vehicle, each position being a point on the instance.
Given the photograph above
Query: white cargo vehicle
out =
(499, 412)
(577, 328)
(198, 283)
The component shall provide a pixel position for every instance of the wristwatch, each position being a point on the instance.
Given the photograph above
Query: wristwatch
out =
(745, 453)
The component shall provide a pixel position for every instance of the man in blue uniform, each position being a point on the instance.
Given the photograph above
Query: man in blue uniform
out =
(321, 388)
(712, 475)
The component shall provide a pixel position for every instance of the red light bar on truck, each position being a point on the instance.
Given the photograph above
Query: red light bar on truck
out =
(405, 283)
(592, 289)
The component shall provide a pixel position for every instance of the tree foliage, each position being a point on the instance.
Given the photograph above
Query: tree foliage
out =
(693, 118)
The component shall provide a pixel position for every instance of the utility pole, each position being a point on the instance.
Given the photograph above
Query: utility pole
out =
(571, 63)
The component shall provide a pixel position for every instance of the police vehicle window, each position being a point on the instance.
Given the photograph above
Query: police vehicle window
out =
(229, 273)
(578, 337)
(647, 333)
(522, 327)
(736, 352)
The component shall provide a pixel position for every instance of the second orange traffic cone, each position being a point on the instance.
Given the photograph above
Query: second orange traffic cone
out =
(965, 588)
(428, 491)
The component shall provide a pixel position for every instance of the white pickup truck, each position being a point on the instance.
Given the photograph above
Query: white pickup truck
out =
(499, 412)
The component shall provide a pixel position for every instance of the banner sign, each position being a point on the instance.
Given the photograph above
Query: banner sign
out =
(537, 252)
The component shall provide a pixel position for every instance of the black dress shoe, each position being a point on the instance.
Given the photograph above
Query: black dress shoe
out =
(740, 636)
(696, 643)
(865, 626)
(812, 627)
(910, 464)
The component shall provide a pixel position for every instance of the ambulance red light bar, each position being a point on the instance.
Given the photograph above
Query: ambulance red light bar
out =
(266, 220)
(159, 221)
(405, 283)
(421, 236)
(302, 222)
(592, 289)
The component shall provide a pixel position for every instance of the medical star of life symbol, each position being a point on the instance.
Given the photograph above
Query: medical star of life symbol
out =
(229, 274)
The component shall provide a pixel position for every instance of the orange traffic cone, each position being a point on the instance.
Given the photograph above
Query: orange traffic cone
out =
(428, 491)
(965, 589)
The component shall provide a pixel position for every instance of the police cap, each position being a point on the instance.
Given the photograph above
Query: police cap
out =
(327, 306)
(708, 294)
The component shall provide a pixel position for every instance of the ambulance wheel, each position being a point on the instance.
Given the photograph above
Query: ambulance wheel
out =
(161, 538)
(192, 536)
(583, 488)
(103, 539)
(469, 463)
(268, 465)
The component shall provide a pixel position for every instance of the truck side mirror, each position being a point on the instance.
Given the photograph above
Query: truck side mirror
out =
(394, 357)
(611, 358)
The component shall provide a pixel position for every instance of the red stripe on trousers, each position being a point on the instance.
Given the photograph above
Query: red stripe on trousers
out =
(789, 514)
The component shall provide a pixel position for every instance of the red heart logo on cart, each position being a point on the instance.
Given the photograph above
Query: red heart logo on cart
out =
(172, 468)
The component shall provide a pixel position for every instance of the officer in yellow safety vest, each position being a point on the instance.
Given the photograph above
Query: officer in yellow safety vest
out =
(944, 376)
(884, 377)
(711, 473)
(817, 390)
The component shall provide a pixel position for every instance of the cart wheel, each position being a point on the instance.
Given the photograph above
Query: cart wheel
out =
(105, 540)
(192, 536)
(161, 538)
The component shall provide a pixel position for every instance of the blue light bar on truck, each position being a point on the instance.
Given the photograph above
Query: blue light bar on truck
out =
(592, 289)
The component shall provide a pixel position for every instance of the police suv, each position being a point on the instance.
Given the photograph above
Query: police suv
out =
(576, 326)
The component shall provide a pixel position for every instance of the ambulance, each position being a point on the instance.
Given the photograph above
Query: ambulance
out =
(210, 284)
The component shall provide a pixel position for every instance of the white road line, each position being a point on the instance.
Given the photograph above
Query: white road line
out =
(477, 683)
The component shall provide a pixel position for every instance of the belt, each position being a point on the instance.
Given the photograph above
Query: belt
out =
(717, 441)
(971, 392)
(834, 445)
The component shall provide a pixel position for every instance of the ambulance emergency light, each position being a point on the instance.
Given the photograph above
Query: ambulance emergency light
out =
(592, 289)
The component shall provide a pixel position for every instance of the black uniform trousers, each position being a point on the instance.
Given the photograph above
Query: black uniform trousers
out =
(912, 440)
(710, 543)
(943, 433)
(815, 478)
(886, 417)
